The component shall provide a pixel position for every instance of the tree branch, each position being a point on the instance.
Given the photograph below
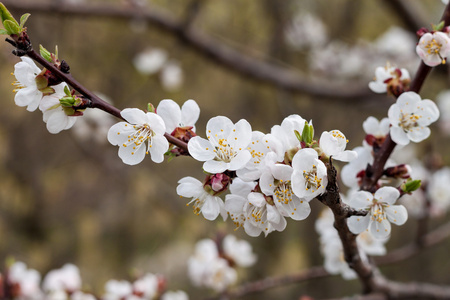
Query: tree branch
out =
(207, 46)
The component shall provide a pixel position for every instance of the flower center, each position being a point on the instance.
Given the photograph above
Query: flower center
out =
(377, 212)
(224, 151)
(312, 181)
(256, 214)
(408, 121)
(283, 192)
(17, 86)
(141, 134)
(198, 204)
(433, 48)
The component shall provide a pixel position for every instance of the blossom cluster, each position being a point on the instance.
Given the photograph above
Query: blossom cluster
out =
(65, 283)
(214, 263)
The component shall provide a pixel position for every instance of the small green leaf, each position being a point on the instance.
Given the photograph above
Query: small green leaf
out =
(67, 101)
(23, 19)
(5, 14)
(151, 108)
(11, 26)
(411, 185)
(438, 27)
(67, 91)
(308, 133)
(3, 31)
(45, 54)
(298, 135)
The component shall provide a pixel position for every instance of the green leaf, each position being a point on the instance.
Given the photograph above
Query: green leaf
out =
(308, 133)
(67, 101)
(411, 185)
(11, 26)
(6, 15)
(3, 31)
(438, 27)
(23, 19)
(45, 54)
(298, 135)
(67, 91)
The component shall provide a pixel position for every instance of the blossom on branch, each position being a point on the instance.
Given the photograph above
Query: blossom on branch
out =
(380, 212)
(175, 117)
(390, 80)
(143, 133)
(433, 48)
(333, 143)
(410, 118)
(28, 93)
(226, 146)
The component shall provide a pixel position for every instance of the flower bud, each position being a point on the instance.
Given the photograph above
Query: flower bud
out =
(217, 183)
(399, 171)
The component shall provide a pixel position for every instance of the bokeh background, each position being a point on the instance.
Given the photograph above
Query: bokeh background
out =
(66, 198)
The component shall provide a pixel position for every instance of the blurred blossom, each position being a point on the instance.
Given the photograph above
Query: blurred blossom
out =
(240, 251)
(147, 286)
(439, 191)
(65, 279)
(305, 31)
(150, 61)
(171, 76)
(396, 41)
(443, 101)
(25, 280)
(175, 295)
(94, 124)
(81, 296)
(117, 290)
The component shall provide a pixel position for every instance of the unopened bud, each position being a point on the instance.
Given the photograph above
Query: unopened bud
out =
(217, 183)
(307, 133)
(399, 171)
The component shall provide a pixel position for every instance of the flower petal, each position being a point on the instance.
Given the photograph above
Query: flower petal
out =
(170, 112)
(358, 224)
(201, 149)
(397, 214)
(387, 194)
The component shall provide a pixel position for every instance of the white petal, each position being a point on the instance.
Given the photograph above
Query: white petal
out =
(346, 156)
(190, 111)
(358, 224)
(371, 125)
(56, 121)
(256, 199)
(116, 134)
(380, 230)
(377, 87)
(159, 146)
(418, 134)
(266, 183)
(132, 156)
(211, 208)
(28, 96)
(201, 149)
(189, 187)
(240, 160)
(134, 116)
(234, 203)
(387, 194)
(170, 112)
(218, 128)
(399, 136)
(397, 214)
(361, 200)
(283, 172)
(429, 111)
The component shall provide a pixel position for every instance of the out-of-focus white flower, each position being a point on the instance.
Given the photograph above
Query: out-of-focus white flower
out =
(350, 173)
(117, 290)
(81, 296)
(439, 191)
(65, 279)
(207, 269)
(376, 128)
(410, 117)
(226, 146)
(396, 41)
(433, 48)
(147, 286)
(143, 133)
(240, 251)
(209, 205)
(53, 112)
(333, 143)
(309, 178)
(175, 117)
(28, 281)
(443, 101)
(380, 212)
(94, 124)
(150, 61)
(171, 76)
(388, 76)
(305, 31)
(175, 295)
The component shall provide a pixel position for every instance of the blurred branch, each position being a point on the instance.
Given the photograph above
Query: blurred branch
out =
(207, 46)
(409, 12)
(272, 282)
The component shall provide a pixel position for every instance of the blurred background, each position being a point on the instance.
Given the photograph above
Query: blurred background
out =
(69, 198)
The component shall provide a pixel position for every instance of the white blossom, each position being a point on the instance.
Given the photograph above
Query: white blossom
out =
(285, 132)
(175, 295)
(175, 117)
(117, 290)
(380, 212)
(443, 101)
(333, 143)
(438, 191)
(226, 146)
(150, 61)
(208, 205)
(433, 48)
(53, 112)
(171, 76)
(146, 286)
(142, 133)
(28, 281)
(65, 279)
(240, 251)
(383, 75)
(28, 93)
(305, 31)
(376, 128)
(309, 178)
(410, 117)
